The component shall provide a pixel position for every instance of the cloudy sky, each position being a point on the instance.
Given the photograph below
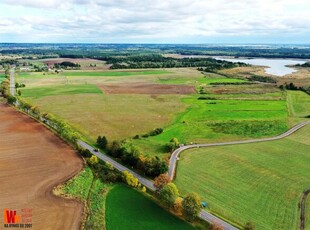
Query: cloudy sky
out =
(155, 21)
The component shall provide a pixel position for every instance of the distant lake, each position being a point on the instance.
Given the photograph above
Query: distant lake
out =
(276, 67)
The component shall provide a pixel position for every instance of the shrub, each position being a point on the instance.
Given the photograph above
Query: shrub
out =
(11, 100)
(93, 160)
(130, 180)
(173, 144)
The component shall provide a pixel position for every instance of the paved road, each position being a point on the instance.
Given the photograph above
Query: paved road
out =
(12, 81)
(149, 184)
(175, 155)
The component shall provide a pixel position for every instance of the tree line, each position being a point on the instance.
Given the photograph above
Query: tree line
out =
(132, 156)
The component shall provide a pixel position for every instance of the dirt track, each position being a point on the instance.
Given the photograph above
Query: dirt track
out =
(146, 88)
(32, 162)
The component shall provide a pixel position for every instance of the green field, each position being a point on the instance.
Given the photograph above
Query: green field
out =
(259, 183)
(307, 225)
(112, 73)
(299, 104)
(219, 120)
(2, 77)
(42, 91)
(128, 209)
(115, 116)
(243, 111)
(92, 192)
(79, 186)
(223, 80)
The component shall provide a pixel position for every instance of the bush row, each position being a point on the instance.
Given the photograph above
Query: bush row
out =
(130, 155)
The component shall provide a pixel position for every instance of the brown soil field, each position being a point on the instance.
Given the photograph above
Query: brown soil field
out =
(32, 162)
(146, 88)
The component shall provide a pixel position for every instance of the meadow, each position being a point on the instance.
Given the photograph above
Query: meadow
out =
(92, 192)
(115, 116)
(128, 209)
(214, 116)
(112, 73)
(259, 183)
(221, 120)
(307, 225)
(299, 104)
(42, 91)
(2, 77)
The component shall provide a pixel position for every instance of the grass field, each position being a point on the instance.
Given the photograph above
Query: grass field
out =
(242, 108)
(299, 104)
(259, 183)
(34, 79)
(198, 79)
(79, 186)
(42, 91)
(218, 120)
(97, 199)
(91, 191)
(128, 209)
(115, 116)
(2, 77)
(307, 225)
(113, 73)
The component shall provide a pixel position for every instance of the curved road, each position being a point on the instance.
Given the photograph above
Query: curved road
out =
(172, 165)
(175, 155)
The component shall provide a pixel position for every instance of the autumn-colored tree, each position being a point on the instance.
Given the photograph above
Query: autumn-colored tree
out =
(130, 179)
(143, 189)
(178, 206)
(161, 181)
(93, 160)
(217, 226)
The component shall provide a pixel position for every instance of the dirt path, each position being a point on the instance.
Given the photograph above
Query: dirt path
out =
(32, 162)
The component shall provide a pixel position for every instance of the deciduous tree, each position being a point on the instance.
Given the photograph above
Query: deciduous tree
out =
(161, 181)
(169, 193)
(191, 206)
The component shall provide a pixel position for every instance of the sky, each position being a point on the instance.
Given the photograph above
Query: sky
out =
(156, 21)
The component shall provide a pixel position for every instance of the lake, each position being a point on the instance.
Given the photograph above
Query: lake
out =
(276, 67)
